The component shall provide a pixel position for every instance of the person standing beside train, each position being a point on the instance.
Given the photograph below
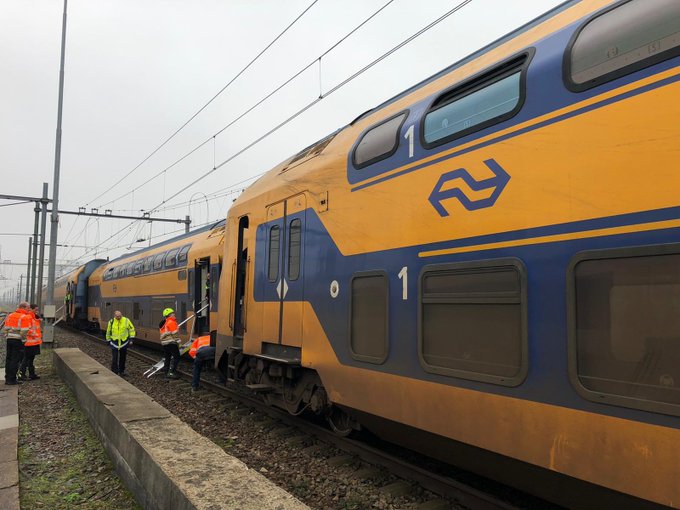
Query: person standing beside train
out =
(119, 332)
(201, 351)
(16, 328)
(170, 341)
(32, 346)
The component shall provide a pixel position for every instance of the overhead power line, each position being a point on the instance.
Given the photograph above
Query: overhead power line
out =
(302, 110)
(206, 104)
(320, 98)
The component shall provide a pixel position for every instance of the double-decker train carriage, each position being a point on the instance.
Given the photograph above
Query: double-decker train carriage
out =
(487, 267)
(72, 292)
(182, 273)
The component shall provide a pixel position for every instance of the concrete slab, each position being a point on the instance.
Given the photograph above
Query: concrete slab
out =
(9, 438)
(164, 462)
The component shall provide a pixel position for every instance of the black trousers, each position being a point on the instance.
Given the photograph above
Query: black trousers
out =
(118, 357)
(171, 357)
(15, 350)
(30, 352)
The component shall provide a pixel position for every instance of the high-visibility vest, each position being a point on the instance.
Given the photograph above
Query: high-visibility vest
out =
(169, 331)
(34, 336)
(199, 343)
(17, 325)
(118, 332)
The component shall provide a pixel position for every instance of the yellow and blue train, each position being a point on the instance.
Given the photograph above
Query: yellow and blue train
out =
(485, 268)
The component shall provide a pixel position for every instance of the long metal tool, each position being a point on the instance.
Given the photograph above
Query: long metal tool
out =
(183, 349)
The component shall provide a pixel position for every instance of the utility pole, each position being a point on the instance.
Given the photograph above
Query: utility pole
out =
(43, 227)
(28, 270)
(54, 220)
(34, 263)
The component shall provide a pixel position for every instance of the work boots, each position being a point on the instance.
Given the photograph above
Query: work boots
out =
(171, 375)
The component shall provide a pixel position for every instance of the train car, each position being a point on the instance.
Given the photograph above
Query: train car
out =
(181, 273)
(486, 268)
(71, 294)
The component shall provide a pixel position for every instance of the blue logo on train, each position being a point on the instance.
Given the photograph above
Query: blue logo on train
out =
(497, 183)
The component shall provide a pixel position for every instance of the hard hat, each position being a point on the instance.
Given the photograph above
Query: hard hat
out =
(167, 312)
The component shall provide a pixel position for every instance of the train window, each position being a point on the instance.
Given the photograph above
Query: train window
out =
(148, 264)
(182, 275)
(183, 254)
(485, 100)
(158, 261)
(379, 142)
(294, 248)
(129, 268)
(109, 273)
(625, 327)
(369, 317)
(627, 37)
(137, 268)
(135, 310)
(274, 247)
(473, 321)
(171, 258)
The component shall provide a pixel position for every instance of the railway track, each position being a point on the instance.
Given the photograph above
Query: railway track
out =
(297, 431)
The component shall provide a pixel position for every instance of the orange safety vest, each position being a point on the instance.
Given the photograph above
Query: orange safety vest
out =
(199, 343)
(169, 331)
(34, 336)
(17, 324)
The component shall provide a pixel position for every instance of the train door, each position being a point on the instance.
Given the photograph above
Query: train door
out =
(240, 270)
(284, 278)
(202, 295)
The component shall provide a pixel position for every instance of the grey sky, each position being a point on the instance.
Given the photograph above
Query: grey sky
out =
(137, 70)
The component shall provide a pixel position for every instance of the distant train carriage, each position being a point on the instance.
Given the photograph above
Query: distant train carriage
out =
(487, 267)
(71, 294)
(181, 273)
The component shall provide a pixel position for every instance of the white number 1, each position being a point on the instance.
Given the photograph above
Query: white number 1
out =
(409, 136)
(403, 276)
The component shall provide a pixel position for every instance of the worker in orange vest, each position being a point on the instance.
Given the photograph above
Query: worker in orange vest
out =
(201, 351)
(31, 346)
(170, 341)
(16, 329)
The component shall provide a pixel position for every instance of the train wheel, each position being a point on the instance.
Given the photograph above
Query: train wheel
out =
(340, 422)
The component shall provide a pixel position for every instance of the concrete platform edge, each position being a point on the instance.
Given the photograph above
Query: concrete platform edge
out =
(161, 460)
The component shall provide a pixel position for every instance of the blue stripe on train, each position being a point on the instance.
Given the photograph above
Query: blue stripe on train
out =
(547, 379)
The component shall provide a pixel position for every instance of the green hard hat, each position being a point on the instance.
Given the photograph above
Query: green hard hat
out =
(167, 312)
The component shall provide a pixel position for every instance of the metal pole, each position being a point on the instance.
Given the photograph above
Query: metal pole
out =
(28, 270)
(54, 220)
(43, 228)
(187, 223)
(21, 284)
(34, 263)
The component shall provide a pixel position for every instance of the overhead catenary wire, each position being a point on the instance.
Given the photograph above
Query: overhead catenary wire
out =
(206, 104)
(259, 102)
(317, 100)
(306, 107)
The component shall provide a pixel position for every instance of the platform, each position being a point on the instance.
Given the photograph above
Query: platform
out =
(163, 461)
(9, 437)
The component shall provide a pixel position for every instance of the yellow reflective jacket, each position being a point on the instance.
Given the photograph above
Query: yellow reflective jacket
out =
(119, 332)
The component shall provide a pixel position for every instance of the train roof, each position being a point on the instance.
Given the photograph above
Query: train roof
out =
(186, 235)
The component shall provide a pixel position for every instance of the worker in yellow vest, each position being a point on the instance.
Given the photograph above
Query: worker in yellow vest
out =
(16, 329)
(31, 346)
(119, 333)
(201, 351)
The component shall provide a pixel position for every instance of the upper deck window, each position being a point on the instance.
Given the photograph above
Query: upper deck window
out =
(379, 142)
(148, 262)
(171, 258)
(472, 106)
(628, 37)
(158, 261)
(183, 254)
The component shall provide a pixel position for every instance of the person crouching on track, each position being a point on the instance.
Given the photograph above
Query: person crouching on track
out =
(170, 341)
(32, 346)
(16, 328)
(119, 332)
(201, 351)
